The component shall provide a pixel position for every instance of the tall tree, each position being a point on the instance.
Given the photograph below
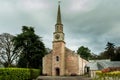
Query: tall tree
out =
(7, 54)
(117, 54)
(110, 50)
(32, 47)
(84, 52)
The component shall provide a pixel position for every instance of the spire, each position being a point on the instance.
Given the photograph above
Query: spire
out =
(59, 14)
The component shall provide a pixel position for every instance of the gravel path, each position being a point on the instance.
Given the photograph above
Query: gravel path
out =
(62, 78)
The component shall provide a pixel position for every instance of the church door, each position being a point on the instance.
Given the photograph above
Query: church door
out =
(57, 71)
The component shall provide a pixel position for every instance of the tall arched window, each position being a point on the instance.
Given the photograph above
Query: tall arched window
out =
(57, 58)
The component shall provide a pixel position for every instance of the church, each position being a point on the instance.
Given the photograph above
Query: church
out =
(61, 60)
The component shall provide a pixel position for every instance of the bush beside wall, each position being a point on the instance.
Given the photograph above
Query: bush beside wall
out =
(18, 73)
(115, 75)
(110, 69)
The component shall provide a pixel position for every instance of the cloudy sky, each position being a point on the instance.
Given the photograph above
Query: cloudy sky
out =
(90, 23)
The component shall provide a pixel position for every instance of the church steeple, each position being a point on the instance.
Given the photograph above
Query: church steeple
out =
(58, 34)
(59, 15)
(58, 52)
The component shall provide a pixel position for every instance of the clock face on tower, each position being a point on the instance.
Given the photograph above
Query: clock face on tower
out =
(57, 36)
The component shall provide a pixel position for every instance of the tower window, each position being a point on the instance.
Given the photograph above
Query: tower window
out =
(57, 58)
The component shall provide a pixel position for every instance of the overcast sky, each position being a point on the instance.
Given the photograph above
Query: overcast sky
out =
(89, 23)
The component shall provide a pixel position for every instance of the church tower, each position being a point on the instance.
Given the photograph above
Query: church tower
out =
(61, 60)
(58, 56)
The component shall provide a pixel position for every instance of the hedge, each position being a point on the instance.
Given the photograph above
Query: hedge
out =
(18, 73)
(115, 75)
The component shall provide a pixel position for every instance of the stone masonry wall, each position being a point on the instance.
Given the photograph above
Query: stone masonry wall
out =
(72, 66)
(82, 63)
(47, 64)
(58, 50)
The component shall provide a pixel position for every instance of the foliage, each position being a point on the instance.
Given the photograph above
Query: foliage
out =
(103, 55)
(32, 48)
(111, 52)
(93, 56)
(7, 54)
(84, 52)
(117, 54)
(17, 73)
(107, 76)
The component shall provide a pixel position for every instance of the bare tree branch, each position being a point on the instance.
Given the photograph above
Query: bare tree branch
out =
(7, 54)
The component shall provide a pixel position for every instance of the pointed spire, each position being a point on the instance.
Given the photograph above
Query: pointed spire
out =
(59, 14)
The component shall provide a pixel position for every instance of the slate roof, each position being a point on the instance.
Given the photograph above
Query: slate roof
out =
(110, 64)
(101, 64)
(67, 50)
(93, 66)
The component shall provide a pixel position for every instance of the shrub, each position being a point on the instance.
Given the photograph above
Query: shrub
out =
(106, 70)
(18, 73)
(115, 75)
(110, 69)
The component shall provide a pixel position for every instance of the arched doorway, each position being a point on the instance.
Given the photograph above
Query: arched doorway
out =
(57, 70)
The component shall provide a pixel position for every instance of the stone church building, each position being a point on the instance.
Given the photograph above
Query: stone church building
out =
(61, 60)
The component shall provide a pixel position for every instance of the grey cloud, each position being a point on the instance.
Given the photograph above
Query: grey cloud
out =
(92, 25)
(95, 25)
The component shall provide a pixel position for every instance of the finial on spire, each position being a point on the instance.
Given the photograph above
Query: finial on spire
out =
(59, 2)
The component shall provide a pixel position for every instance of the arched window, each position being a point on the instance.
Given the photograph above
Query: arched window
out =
(57, 58)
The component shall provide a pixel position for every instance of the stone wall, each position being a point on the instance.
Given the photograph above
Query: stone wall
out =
(58, 50)
(47, 64)
(71, 63)
(82, 64)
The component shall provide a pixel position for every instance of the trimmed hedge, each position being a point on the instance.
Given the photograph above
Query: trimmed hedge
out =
(18, 73)
(115, 75)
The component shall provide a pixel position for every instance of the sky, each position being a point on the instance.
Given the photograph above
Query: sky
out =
(89, 23)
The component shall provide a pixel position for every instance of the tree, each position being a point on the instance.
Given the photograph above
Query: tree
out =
(117, 54)
(32, 47)
(94, 56)
(110, 50)
(84, 52)
(7, 54)
(103, 55)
